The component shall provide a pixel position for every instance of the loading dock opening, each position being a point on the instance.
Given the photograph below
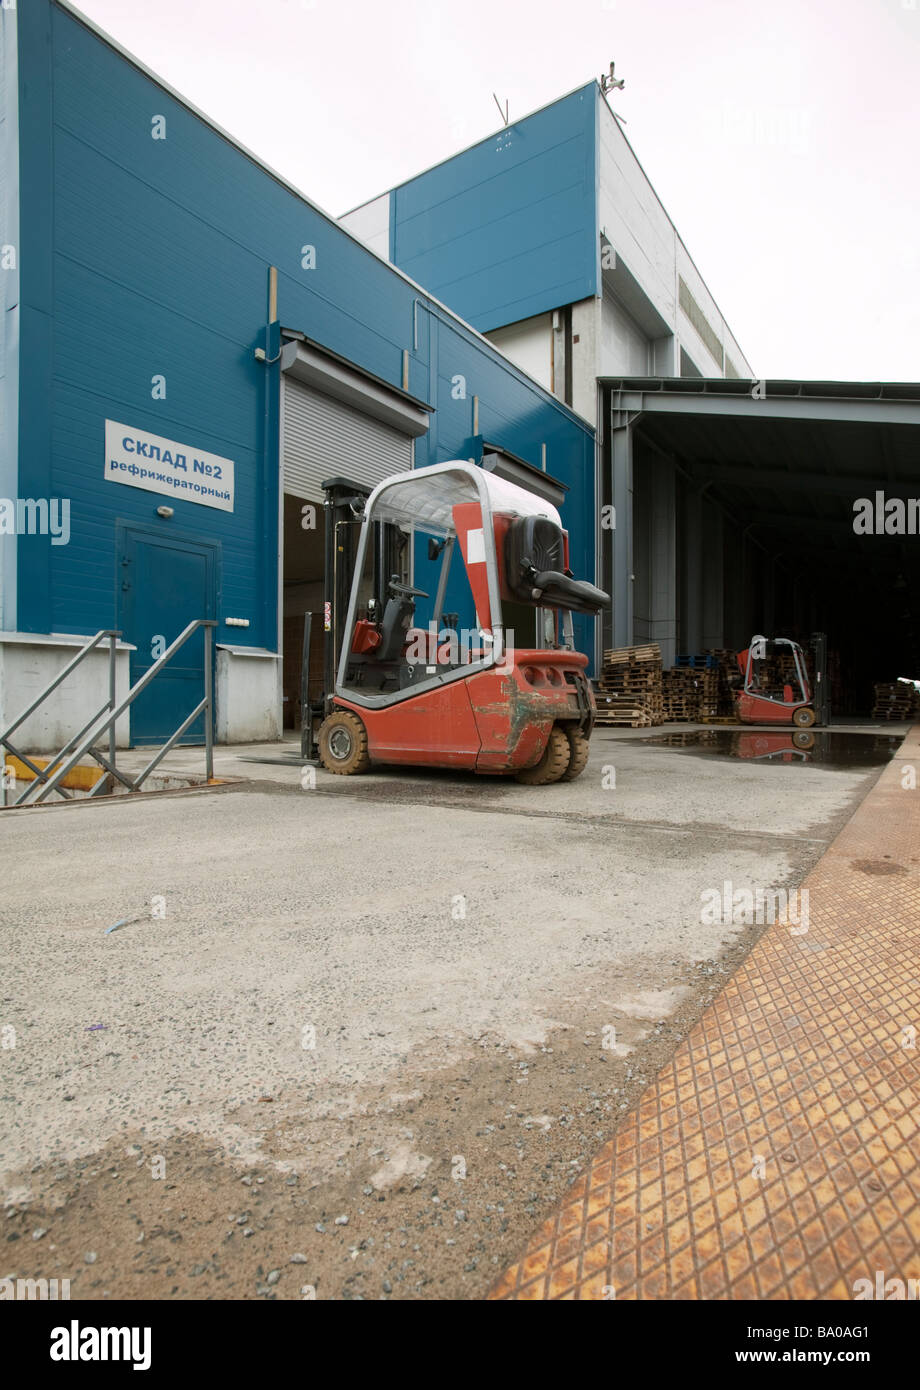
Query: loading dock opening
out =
(771, 506)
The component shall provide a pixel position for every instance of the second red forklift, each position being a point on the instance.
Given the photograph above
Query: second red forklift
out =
(760, 700)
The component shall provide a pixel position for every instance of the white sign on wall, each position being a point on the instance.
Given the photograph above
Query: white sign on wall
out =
(148, 461)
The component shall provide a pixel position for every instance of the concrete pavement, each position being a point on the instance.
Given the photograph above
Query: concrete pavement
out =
(346, 951)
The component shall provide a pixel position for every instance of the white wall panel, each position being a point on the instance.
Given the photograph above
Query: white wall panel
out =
(529, 345)
(624, 347)
(371, 222)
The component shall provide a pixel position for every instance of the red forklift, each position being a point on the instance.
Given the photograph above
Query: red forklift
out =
(767, 746)
(760, 699)
(504, 694)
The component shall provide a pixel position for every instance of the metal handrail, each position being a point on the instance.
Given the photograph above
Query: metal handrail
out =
(83, 744)
(43, 774)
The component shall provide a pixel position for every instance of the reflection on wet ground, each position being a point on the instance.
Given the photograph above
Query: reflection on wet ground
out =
(828, 747)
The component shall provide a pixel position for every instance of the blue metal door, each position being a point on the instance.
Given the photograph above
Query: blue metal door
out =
(163, 584)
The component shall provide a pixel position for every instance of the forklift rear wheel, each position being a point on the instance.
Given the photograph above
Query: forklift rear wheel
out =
(552, 765)
(804, 717)
(579, 748)
(343, 743)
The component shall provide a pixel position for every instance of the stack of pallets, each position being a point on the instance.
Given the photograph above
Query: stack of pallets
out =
(681, 694)
(629, 690)
(895, 700)
(725, 661)
(690, 693)
(709, 694)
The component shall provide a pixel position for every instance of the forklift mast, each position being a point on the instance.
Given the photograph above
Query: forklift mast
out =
(821, 693)
(342, 513)
(342, 510)
(344, 506)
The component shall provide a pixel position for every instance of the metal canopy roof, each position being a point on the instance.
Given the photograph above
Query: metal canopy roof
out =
(425, 497)
(773, 387)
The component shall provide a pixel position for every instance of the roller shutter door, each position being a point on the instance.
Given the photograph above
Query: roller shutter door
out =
(325, 437)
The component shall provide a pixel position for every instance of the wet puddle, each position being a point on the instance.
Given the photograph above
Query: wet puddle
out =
(827, 747)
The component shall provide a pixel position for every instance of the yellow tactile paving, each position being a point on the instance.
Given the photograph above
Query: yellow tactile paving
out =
(777, 1155)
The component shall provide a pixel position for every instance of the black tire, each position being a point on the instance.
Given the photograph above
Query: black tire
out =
(342, 744)
(803, 717)
(579, 749)
(553, 763)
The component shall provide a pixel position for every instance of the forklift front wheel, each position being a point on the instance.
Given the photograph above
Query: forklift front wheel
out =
(343, 743)
(578, 759)
(804, 717)
(552, 765)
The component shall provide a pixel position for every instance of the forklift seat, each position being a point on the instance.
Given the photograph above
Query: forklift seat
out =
(397, 617)
(535, 570)
(561, 591)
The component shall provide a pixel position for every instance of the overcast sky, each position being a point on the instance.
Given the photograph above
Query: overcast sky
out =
(782, 136)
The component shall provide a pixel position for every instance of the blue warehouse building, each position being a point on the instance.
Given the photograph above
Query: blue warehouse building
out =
(190, 347)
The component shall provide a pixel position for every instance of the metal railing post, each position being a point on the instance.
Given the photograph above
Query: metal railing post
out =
(112, 689)
(209, 707)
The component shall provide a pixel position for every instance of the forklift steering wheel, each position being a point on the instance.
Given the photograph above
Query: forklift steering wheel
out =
(405, 590)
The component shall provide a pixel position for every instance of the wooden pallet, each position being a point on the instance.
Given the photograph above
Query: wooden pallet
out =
(624, 656)
(639, 719)
(643, 683)
(689, 692)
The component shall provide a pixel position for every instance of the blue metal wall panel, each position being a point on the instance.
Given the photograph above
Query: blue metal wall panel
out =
(508, 228)
(9, 237)
(33, 556)
(159, 265)
(9, 279)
